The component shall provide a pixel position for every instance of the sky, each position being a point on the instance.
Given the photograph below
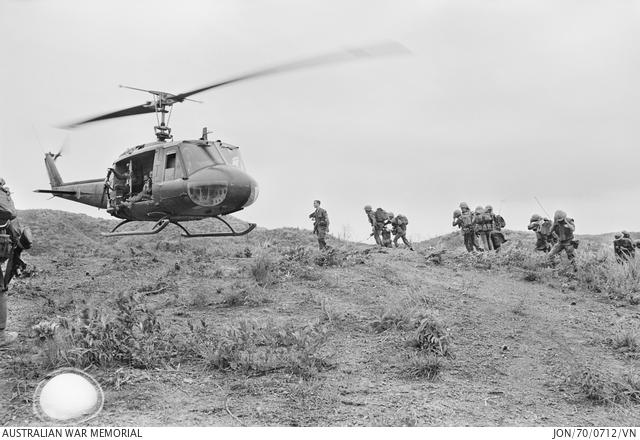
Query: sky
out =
(498, 102)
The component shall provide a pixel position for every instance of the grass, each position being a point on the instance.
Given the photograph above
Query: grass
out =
(127, 332)
(393, 318)
(431, 336)
(250, 348)
(329, 312)
(284, 350)
(601, 387)
(628, 341)
(262, 270)
(423, 367)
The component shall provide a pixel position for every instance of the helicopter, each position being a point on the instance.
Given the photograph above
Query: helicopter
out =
(169, 182)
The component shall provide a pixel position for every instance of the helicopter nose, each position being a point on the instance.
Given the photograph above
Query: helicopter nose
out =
(255, 190)
(229, 189)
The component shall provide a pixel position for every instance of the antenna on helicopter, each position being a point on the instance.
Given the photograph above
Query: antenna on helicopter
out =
(204, 134)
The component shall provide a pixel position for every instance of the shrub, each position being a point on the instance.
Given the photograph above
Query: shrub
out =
(298, 254)
(328, 258)
(251, 349)
(431, 336)
(599, 272)
(262, 270)
(392, 319)
(132, 336)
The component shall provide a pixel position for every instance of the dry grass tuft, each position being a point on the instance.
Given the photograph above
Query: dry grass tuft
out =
(431, 336)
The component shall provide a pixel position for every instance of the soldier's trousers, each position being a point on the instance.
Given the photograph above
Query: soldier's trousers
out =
(321, 233)
(568, 248)
(485, 240)
(471, 241)
(377, 232)
(542, 244)
(376, 235)
(402, 235)
(497, 238)
(3, 310)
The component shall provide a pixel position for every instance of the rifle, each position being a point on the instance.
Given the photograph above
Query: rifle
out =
(542, 207)
(14, 266)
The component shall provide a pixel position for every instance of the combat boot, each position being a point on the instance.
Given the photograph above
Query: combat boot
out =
(7, 338)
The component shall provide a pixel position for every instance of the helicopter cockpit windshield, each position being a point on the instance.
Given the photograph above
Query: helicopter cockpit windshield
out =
(197, 157)
(231, 155)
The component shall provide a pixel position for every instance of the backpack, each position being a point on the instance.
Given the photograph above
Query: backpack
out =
(7, 208)
(500, 223)
(381, 215)
(467, 219)
(545, 227)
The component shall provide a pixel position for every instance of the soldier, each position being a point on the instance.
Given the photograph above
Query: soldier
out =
(482, 227)
(320, 224)
(386, 232)
(564, 227)
(616, 247)
(145, 194)
(399, 224)
(463, 218)
(381, 218)
(544, 234)
(10, 251)
(624, 247)
(372, 219)
(496, 237)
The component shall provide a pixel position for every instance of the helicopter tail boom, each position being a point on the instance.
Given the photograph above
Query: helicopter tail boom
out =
(52, 170)
(88, 192)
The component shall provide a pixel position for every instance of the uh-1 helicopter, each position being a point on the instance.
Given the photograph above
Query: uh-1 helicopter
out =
(170, 181)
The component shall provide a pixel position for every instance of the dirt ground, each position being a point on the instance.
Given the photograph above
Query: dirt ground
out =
(515, 344)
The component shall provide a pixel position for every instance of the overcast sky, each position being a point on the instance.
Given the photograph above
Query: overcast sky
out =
(499, 102)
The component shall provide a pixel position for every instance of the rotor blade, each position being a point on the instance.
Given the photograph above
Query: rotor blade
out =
(383, 49)
(377, 50)
(137, 110)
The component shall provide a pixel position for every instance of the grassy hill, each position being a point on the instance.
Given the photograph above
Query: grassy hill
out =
(265, 330)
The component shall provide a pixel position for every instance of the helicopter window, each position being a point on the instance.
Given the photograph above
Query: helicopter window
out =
(140, 166)
(231, 155)
(171, 161)
(172, 167)
(196, 157)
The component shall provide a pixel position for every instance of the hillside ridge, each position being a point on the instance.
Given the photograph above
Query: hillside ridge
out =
(265, 330)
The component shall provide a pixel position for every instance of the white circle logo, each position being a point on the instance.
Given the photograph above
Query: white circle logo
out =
(68, 395)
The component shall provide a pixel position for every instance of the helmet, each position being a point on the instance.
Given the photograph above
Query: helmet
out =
(488, 208)
(535, 218)
(617, 236)
(457, 213)
(637, 243)
(559, 215)
(626, 234)
(479, 210)
(463, 205)
(390, 214)
(2, 181)
(368, 208)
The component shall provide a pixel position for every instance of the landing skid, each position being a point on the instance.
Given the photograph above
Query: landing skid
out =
(163, 223)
